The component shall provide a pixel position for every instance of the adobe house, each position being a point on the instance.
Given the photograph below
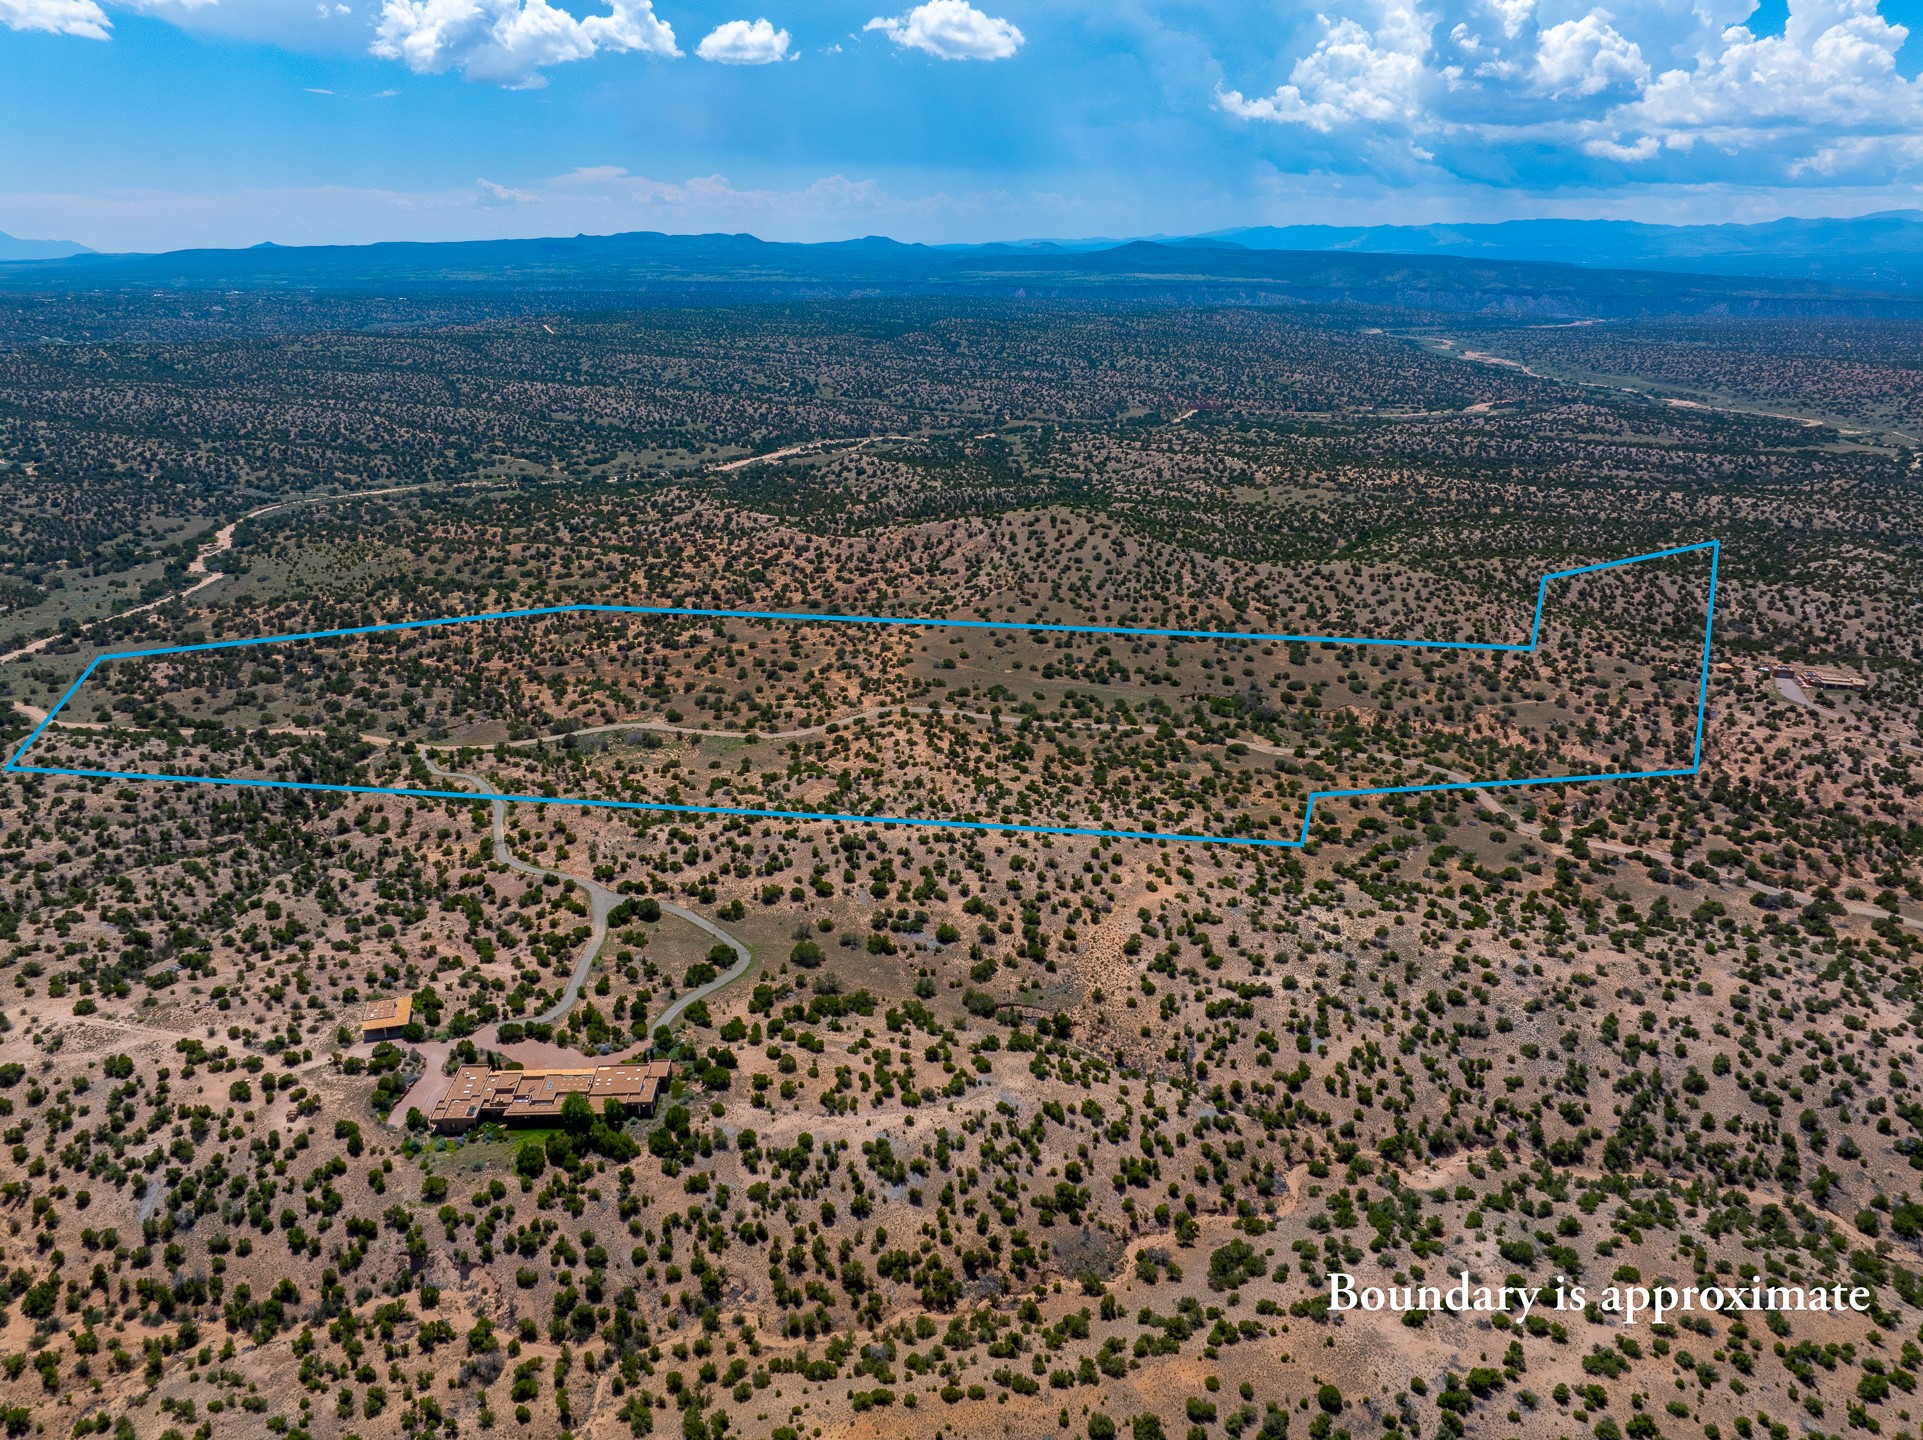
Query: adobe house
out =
(479, 1095)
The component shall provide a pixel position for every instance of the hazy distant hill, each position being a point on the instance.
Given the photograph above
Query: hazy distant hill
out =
(1883, 251)
(12, 247)
(730, 267)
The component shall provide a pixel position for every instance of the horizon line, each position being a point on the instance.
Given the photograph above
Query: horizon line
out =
(1218, 238)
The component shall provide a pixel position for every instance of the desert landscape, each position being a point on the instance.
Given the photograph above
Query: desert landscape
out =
(980, 1126)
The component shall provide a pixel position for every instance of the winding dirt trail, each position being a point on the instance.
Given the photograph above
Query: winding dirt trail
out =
(200, 565)
(601, 900)
(34, 647)
(427, 1091)
(806, 447)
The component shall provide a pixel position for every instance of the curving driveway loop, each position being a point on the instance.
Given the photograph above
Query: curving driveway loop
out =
(601, 903)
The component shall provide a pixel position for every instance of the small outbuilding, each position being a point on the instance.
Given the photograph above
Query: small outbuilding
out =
(387, 1019)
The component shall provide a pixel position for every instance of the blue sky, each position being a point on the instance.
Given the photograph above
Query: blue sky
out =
(149, 124)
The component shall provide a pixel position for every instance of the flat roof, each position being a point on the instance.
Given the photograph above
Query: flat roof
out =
(384, 1013)
(480, 1093)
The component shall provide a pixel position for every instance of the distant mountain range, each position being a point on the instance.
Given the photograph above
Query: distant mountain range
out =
(1527, 268)
(12, 247)
(1882, 251)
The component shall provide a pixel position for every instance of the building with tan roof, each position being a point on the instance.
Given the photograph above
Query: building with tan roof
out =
(1820, 677)
(480, 1096)
(387, 1019)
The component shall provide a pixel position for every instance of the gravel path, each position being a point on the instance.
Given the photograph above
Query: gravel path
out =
(602, 902)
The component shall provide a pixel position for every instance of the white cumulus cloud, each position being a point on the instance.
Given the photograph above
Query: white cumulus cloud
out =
(1643, 149)
(744, 42)
(951, 30)
(1834, 64)
(509, 42)
(1481, 85)
(1587, 57)
(59, 17)
(1825, 96)
(1513, 14)
(1353, 74)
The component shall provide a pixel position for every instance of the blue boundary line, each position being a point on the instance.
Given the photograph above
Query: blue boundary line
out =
(14, 763)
